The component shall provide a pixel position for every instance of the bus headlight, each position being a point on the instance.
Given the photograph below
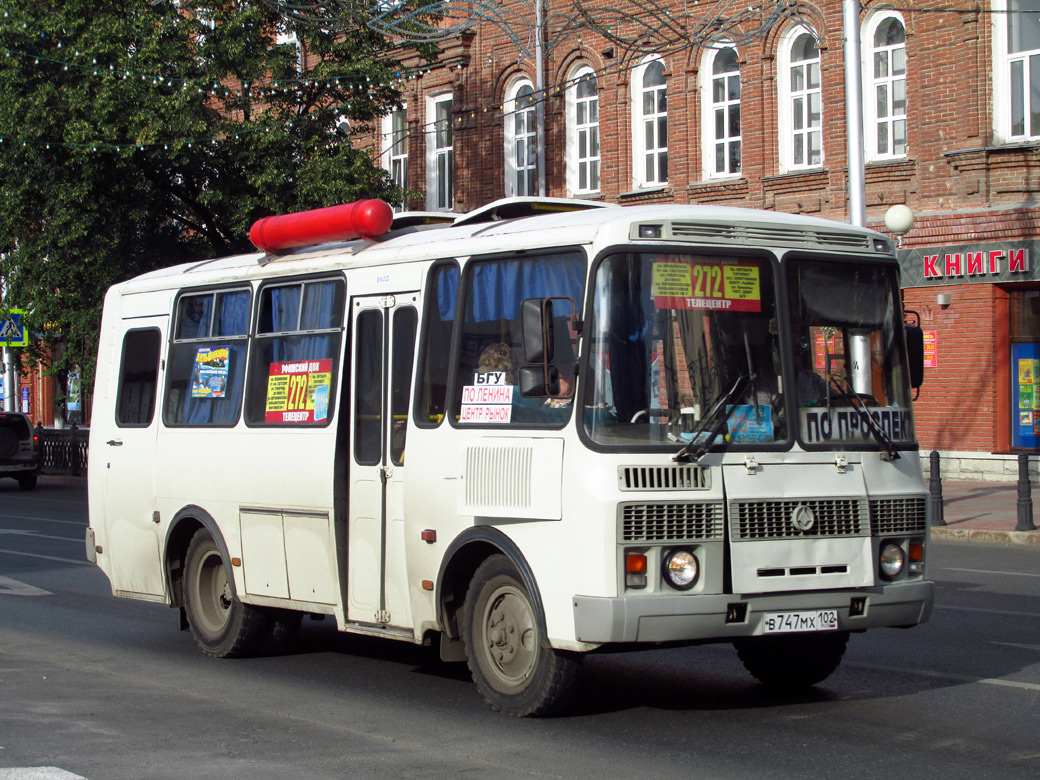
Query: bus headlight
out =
(680, 569)
(892, 560)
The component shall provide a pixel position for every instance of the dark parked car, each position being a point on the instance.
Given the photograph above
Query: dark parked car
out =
(19, 449)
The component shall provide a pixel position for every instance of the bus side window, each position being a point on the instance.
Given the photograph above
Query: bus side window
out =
(405, 321)
(205, 374)
(438, 321)
(138, 376)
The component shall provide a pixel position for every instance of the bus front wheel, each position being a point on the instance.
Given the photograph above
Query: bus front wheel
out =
(222, 625)
(512, 664)
(792, 661)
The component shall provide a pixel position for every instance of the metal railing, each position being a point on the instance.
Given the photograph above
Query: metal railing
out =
(63, 450)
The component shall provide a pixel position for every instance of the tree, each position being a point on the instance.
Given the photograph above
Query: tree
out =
(137, 134)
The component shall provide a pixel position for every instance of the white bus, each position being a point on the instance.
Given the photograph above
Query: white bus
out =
(545, 429)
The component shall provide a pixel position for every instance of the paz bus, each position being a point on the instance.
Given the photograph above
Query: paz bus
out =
(538, 430)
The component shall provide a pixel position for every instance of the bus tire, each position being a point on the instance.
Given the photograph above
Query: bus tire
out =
(791, 662)
(222, 625)
(510, 660)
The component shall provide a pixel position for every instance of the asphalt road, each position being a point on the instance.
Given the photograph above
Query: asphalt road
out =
(103, 688)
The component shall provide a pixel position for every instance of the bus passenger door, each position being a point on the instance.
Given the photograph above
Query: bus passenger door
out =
(129, 457)
(383, 351)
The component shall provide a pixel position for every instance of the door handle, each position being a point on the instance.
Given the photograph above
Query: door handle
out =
(114, 443)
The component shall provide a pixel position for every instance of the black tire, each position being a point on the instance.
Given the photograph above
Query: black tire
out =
(27, 481)
(222, 625)
(512, 664)
(791, 662)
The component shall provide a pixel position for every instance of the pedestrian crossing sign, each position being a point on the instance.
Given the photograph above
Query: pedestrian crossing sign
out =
(12, 328)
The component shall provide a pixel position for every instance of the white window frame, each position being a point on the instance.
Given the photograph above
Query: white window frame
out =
(709, 114)
(521, 140)
(787, 102)
(583, 153)
(640, 149)
(873, 123)
(395, 147)
(440, 163)
(1004, 130)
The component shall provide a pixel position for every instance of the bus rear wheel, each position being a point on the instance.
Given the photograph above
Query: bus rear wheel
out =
(512, 664)
(791, 662)
(222, 625)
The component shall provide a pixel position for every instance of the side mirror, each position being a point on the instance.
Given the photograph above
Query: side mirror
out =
(537, 322)
(538, 382)
(915, 354)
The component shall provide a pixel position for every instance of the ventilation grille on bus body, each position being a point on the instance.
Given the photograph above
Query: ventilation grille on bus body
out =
(672, 522)
(891, 516)
(681, 476)
(772, 235)
(499, 476)
(841, 517)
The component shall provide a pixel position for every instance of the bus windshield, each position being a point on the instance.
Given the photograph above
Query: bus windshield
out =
(670, 336)
(849, 354)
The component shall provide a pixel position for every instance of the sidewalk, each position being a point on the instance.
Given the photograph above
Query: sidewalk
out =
(977, 511)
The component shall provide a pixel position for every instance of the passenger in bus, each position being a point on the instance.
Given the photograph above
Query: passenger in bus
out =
(497, 357)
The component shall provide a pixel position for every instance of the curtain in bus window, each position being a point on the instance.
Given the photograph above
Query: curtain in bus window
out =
(500, 287)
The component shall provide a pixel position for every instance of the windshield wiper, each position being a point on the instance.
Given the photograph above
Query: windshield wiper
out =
(882, 438)
(685, 455)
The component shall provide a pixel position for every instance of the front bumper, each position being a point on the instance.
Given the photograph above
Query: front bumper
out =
(656, 618)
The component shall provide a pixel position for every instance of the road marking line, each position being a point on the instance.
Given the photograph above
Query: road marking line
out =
(38, 773)
(46, 558)
(36, 535)
(987, 571)
(16, 588)
(949, 676)
(1019, 646)
(1006, 612)
(36, 518)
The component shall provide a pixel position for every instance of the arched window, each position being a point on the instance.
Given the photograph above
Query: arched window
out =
(885, 94)
(582, 156)
(721, 113)
(650, 124)
(521, 136)
(800, 101)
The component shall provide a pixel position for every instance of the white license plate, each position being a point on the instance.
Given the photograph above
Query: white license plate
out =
(787, 622)
(16, 467)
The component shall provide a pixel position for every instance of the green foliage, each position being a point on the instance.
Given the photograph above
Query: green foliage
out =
(138, 134)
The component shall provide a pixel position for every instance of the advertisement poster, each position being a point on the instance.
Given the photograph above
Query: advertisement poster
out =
(679, 285)
(1025, 422)
(931, 349)
(209, 378)
(298, 391)
(74, 397)
(750, 423)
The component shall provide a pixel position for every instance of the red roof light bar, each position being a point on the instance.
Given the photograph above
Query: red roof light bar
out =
(346, 222)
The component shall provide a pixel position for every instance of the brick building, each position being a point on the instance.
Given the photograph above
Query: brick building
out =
(949, 130)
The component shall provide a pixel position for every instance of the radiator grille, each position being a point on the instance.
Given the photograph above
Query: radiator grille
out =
(898, 516)
(666, 522)
(772, 519)
(684, 476)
